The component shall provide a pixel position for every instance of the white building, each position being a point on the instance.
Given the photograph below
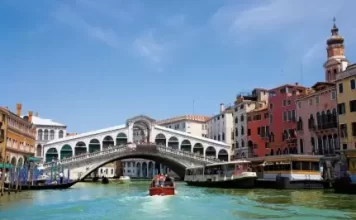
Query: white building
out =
(46, 130)
(109, 170)
(221, 126)
(192, 124)
(245, 103)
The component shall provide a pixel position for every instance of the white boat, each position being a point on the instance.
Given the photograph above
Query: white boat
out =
(234, 174)
(124, 179)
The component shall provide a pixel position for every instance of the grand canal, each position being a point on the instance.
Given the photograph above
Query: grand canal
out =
(118, 201)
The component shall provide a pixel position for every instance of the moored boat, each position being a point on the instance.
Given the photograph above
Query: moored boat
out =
(234, 174)
(289, 172)
(124, 179)
(41, 186)
(166, 189)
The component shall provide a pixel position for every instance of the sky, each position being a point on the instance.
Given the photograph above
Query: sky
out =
(92, 64)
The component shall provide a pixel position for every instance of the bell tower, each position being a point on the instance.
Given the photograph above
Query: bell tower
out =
(336, 60)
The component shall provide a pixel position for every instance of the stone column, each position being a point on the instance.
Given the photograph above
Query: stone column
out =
(130, 132)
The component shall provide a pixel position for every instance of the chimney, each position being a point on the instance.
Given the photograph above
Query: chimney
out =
(222, 108)
(30, 113)
(18, 109)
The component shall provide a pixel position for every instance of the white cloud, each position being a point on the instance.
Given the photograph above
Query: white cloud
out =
(148, 47)
(68, 16)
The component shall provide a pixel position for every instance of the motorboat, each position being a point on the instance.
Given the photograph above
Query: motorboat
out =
(167, 189)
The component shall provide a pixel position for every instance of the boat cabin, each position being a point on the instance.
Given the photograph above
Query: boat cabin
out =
(219, 170)
(295, 167)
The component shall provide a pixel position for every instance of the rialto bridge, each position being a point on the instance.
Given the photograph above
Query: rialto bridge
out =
(88, 151)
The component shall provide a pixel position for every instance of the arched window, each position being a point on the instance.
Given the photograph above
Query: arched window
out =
(318, 119)
(328, 119)
(242, 130)
(242, 118)
(323, 120)
(60, 134)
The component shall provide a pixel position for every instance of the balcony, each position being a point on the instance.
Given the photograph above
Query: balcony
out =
(327, 127)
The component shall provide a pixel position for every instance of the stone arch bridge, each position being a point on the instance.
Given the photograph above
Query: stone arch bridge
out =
(185, 149)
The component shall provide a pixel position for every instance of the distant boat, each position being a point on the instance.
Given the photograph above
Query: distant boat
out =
(124, 179)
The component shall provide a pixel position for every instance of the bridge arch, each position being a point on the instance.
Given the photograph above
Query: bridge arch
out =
(210, 152)
(80, 148)
(108, 141)
(198, 148)
(173, 142)
(223, 155)
(121, 139)
(161, 139)
(173, 163)
(51, 154)
(186, 145)
(66, 151)
(94, 145)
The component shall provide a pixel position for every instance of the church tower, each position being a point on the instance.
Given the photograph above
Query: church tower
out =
(336, 60)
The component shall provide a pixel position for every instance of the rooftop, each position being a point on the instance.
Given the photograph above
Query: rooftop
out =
(349, 72)
(197, 118)
(42, 121)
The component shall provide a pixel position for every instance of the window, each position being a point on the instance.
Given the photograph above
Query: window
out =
(259, 130)
(341, 88)
(341, 108)
(249, 132)
(343, 130)
(317, 100)
(352, 84)
(285, 116)
(353, 106)
(353, 125)
(333, 95)
(289, 116)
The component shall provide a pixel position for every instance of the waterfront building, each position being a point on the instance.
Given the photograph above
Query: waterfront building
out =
(19, 136)
(317, 120)
(221, 128)
(346, 105)
(282, 119)
(192, 124)
(46, 130)
(140, 168)
(245, 102)
(258, 132)
(109, 170)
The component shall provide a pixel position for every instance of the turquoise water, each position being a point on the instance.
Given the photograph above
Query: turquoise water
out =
(124, 202)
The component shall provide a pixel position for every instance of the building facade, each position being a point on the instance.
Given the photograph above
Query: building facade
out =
(282, 118)
(192, 124)
(258, 132)
(245, 103)
(46, 130)
(19, 136)
(140, 168)
(346, 105)
(221, 126)
(317, 120)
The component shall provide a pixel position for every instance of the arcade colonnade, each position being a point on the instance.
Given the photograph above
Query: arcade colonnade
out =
(94, 145)
(142, 168)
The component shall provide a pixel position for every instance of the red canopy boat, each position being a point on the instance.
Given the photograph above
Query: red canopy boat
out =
(167, 189)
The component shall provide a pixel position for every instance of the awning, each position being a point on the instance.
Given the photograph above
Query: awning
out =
(7, 165)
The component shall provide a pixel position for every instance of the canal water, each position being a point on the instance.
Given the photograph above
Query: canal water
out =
(124, 202)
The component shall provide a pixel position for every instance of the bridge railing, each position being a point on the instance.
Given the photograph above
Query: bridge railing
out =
(143, 148)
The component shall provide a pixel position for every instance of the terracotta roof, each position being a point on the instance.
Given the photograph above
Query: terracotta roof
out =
(197, 118)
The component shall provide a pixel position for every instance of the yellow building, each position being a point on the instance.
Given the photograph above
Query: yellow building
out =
(19, 136)
(346, 99)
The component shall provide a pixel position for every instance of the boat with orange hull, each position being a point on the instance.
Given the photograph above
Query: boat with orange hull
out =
(166, 190)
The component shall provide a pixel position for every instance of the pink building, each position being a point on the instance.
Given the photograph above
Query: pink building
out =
(317, 120)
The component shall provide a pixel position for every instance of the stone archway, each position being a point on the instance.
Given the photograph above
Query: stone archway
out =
(94, 145)
(80, 148)
(20, 162)
(107, 142)
(223, 155)
(210, 152)
(121, 139)
(39, 151)
(138, 169)
(13, 161)
(160, 139)
(144, 170)
(186, 146)
(198, 148)
(173, 143)
(51, 154)
(142, 127)
(66, 151)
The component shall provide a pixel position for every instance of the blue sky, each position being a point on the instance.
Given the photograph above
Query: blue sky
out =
(94, 63)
